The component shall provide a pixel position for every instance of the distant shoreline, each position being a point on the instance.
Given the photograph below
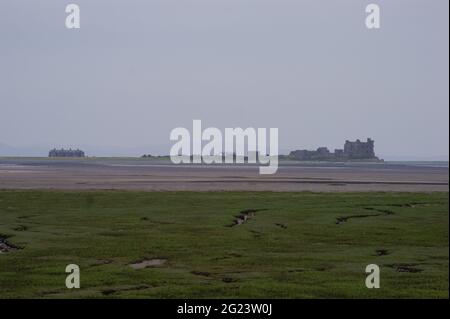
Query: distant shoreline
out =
(282, 160)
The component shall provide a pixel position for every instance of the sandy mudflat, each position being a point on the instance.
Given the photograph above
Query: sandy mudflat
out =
(150, 175)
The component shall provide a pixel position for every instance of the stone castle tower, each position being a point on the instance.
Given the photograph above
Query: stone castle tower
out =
(359, 150)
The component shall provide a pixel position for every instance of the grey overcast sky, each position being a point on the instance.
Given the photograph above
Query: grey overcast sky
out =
(137, 69)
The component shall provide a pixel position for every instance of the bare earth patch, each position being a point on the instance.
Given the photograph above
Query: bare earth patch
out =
(402, 267)
(381, 212)
(382, 252)
(5, 246)
(111, 291)
(148, 263)
(244, 216)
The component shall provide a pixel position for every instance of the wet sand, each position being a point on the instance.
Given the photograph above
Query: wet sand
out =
(152, 175)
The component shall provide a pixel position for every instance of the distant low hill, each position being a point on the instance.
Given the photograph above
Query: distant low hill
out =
(7, 150)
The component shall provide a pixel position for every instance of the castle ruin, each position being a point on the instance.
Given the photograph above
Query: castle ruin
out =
(356, 150)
